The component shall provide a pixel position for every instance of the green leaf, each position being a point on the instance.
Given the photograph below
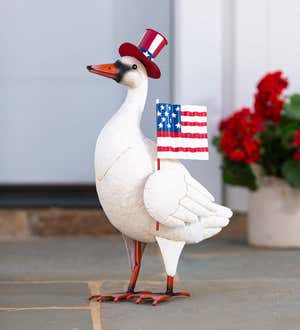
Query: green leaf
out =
(291, 171)
(238, 174)
(273, 152)
(288, 133)
(292, 107)
(216, 142)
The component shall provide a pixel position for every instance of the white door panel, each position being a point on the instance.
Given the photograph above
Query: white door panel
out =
(51, 108)
(198, 74)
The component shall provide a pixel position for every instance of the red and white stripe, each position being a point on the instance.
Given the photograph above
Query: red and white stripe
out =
(153, 41)
(192, 142)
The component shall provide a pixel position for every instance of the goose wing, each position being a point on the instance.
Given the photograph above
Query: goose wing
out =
(175, 199)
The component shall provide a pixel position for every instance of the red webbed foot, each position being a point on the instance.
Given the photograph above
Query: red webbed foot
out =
(115, 296)
(156, 297)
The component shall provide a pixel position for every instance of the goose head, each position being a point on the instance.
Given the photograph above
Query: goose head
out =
(127, 71)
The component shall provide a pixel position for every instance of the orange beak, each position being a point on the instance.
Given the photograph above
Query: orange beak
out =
(106, 70)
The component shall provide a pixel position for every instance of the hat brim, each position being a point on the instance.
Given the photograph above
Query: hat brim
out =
(128, 49)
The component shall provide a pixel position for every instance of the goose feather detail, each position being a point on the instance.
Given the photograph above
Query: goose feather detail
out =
(175, 199)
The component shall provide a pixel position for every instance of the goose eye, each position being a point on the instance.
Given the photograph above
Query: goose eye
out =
(134, 66)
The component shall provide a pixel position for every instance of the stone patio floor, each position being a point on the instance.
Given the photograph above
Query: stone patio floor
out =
(44, 285)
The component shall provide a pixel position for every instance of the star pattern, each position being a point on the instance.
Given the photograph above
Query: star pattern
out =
(181, 131)
(148, 54)
(168, 117)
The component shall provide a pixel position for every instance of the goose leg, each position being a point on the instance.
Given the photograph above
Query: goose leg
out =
(137, 266)
(135, 252)
(170, 252)
(158, 297)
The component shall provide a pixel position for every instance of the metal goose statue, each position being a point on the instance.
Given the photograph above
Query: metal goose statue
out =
(134, 195)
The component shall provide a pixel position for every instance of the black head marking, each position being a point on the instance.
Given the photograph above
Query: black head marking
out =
(122, 69)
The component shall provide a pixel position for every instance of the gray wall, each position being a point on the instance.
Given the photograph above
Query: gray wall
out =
(51, 108)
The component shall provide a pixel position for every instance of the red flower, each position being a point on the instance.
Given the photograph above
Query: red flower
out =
(268, 106)
(297, 139)
(296, 155)
(237, 155)
(273, 82)
(239, 136)
(251, 147)
(268, 103)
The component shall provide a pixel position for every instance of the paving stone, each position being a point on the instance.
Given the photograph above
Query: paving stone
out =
(80, 259)
(43, 294)
(249, 264)
(214, 305)
(65, 259)
(46, 320)
(216, 247)
(233, 286)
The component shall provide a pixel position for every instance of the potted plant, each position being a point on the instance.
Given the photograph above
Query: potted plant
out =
(261, 151)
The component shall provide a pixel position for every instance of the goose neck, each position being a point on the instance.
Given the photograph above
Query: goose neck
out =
(135, 102)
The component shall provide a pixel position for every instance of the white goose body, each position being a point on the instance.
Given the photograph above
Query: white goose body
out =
(134, 195)
(124, 159)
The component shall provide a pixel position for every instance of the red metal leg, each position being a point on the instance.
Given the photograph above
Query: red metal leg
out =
(137, 266)
(170, 284)
(133, 279)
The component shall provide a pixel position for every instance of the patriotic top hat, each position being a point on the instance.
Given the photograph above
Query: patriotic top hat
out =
(149, 47)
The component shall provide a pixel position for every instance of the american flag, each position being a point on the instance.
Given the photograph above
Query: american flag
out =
(181, 131)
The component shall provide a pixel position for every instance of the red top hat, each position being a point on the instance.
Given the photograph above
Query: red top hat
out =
(149, 47)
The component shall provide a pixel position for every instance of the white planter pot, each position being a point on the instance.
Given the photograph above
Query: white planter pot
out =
(274, 215)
